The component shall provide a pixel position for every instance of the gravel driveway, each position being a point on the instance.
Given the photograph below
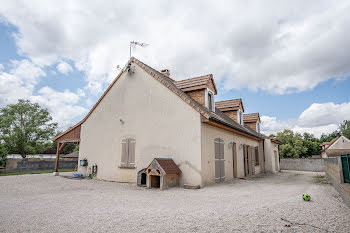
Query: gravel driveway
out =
(45, 203)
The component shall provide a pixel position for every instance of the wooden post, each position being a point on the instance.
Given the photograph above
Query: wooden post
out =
(59, 149)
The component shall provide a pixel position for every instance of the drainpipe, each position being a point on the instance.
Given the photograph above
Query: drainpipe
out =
(264, 155)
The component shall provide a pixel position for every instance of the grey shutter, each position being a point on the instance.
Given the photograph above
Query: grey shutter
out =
(257, 159)
(245, 160)
(124, 155)
(222, 161)
(131, 152)
(253, 159)
(217, 159)
(249, 160)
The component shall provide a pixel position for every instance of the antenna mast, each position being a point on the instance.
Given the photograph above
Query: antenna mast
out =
(134, 43)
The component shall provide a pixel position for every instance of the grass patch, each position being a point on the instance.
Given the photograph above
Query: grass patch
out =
(32, 172)
(320, 179)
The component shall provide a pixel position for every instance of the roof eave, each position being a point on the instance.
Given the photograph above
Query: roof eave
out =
(230, 126)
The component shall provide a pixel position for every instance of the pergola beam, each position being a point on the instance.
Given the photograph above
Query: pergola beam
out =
(60, 146)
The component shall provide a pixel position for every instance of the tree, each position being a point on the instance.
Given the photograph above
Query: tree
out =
(312, 144)
(345, 128)
(26, 128)
(3, 155)
(292, 144)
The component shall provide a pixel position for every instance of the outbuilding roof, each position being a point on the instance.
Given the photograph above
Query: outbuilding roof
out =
(331, 142)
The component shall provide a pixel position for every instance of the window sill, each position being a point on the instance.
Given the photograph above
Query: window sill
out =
(126, 167)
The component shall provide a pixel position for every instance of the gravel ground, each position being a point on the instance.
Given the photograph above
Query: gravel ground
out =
(272, 203)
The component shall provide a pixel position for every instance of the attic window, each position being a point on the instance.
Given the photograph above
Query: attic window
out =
(210, 100)
(258, 127)
(240, 116)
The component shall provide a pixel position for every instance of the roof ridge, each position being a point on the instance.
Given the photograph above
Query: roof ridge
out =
(202, 76)
(166, 81)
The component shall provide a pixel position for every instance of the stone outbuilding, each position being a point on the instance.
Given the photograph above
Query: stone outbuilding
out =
(162, 173)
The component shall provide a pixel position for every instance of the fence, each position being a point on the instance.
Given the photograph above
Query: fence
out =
(345, 160)
(335, 175)
(312, 165)
(31, 164)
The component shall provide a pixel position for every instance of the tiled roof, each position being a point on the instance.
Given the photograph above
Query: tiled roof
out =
(218, 116)
(330, 143)
(337, 152)
(251, 117)
(228, 105)
(168, 165)
(195, 83)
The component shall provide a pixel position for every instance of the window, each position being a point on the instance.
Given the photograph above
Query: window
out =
(240, 116)
(258, 127)
(210, 97)
(128, 153)
(209, 100)
(257, 156)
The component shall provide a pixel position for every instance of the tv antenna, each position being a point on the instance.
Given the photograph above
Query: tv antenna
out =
(134, 43)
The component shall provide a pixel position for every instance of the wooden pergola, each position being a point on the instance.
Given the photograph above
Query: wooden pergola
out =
(72, 135)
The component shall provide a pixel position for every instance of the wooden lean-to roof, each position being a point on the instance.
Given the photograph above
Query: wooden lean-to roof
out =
(216, 118)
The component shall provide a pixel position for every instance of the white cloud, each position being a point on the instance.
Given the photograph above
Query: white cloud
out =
(317, 119)
(274, 46)
(63, 106)
(20, 83)
(1, 67)
(64, 67)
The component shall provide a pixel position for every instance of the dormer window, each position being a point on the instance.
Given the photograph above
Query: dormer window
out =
(240, 116)
(210, 103)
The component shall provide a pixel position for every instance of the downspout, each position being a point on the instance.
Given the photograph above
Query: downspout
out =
(264, 155)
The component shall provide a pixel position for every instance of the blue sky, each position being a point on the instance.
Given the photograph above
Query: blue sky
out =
(64, 58)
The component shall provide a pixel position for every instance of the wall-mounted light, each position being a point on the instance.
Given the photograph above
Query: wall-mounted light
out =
(230, 145)
(121, 121)
(240, 146)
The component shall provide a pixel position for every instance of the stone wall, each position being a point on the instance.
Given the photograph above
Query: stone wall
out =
(312, 165)
(14, 165)
(334, 175)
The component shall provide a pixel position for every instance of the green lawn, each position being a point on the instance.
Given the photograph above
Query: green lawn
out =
(33, 172)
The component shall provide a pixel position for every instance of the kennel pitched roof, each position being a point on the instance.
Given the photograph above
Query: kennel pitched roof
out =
(168, 165)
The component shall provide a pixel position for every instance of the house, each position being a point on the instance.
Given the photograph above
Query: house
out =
(144, 114)
(73, 155)
(338, 146)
